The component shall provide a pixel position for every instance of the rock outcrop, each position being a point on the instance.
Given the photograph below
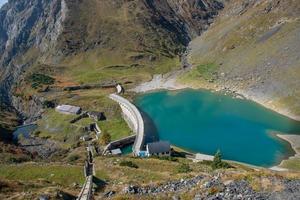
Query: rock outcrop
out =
(28, 30)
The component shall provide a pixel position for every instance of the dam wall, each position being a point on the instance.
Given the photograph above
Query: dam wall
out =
(134, 120)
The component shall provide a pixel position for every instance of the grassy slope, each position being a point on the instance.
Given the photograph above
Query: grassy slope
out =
(154, 172)
(120, 36)
(251, 56)
(29, 180)
(63, 175)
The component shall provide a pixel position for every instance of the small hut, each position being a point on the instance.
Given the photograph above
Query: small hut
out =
(158, 148)
(120, 89)
(68, 109)
(98, 116)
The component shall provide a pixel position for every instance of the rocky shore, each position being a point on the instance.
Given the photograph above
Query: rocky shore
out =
(159, 82)
(171, 81)
(294, 141)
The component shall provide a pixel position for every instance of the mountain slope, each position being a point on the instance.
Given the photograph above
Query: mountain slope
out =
(253, 49)
(92, 41)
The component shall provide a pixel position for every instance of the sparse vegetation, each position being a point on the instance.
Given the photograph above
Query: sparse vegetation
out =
(14, 158)
(207, 70)
(183, 168)
(48, 104)
(129, 164)
(73, 157)
(105, 138)
(169, 158)
(58, 174)
(217, 162)
(37, 80)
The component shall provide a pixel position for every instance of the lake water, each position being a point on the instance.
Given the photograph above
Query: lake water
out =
(204, 121)
(126, 150)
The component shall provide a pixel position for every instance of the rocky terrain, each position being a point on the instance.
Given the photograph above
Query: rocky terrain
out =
(252, 49)
(215, 188)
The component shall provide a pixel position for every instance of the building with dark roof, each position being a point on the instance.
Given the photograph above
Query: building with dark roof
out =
(96, 115)
(158, 148)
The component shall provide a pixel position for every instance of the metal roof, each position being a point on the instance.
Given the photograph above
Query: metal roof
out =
(158, 147)
(116, 152)
(68, 108)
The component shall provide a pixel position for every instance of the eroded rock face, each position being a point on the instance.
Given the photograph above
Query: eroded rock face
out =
(28, 30)
(188, 18)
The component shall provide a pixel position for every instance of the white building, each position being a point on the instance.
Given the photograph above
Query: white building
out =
(67, 109)
(120, 89)
(116, 152)
(201, 157)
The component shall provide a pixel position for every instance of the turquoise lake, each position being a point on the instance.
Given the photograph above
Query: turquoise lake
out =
(204, 121)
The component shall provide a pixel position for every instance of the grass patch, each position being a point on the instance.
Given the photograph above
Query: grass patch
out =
(128, 164)
(57, 126)
(169, 158)
(292, 164)
(117, 128)
(150, 170)
(73, 158)
(56, 174)
(207, 70)
(183, 168)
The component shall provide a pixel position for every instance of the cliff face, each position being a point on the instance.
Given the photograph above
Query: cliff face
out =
(36, 32)
(25, 26)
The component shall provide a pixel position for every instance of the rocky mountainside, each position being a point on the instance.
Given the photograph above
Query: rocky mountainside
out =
(75, 38)
(252, 49)
(26, 26)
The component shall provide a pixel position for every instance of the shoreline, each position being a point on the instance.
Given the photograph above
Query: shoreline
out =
(169, 81)
(294, 141)
(208, 157)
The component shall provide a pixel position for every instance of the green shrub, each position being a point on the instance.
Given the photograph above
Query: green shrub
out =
(169, 158)
(37, 80)
(217, 163)
(128, 164)
(48, 104)
(207, 70)
(10, 158)
(73, 158)
(105, 138)
(183, 168)
(36, 133)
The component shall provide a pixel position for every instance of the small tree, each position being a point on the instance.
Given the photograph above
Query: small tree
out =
(105, 138)
(217, 163)
(183, 168)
